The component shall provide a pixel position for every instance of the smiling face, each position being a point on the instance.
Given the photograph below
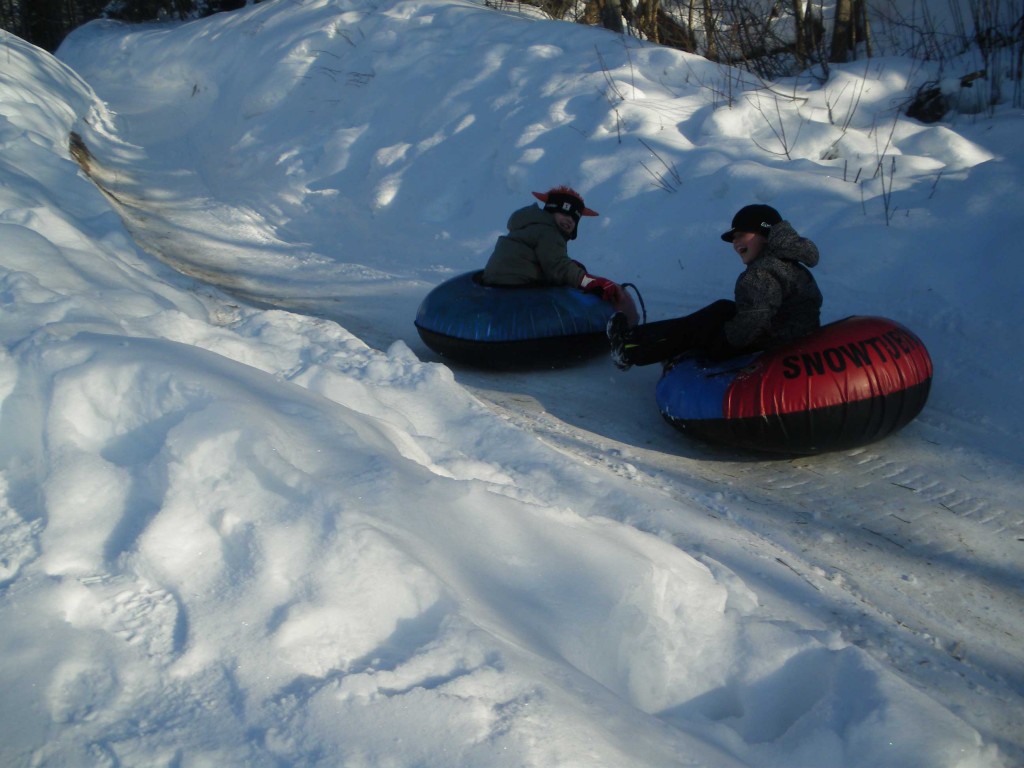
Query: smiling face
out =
(748, 245)
(565, 222)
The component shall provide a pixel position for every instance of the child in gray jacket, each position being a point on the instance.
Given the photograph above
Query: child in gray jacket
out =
(776, 300)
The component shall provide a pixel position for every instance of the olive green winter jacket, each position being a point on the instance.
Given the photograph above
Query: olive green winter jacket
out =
(533, 251)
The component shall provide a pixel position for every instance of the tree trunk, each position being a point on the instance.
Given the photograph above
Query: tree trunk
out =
(863, 27)
(710, 31)
(647, 11)
(800, 48)
(610, 14)
(842, 32)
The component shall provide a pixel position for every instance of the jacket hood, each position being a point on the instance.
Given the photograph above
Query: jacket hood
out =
(784, 243)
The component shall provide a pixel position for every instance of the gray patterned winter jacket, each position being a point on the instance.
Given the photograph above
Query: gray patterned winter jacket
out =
(777, 299)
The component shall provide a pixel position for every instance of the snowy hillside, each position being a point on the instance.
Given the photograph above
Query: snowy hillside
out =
(248, 518)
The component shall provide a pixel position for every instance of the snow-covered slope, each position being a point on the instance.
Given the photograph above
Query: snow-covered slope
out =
(247, 518)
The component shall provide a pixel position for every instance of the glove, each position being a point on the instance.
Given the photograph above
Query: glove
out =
(609, 291)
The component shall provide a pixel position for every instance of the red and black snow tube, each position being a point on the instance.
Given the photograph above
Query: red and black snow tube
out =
(850, 383)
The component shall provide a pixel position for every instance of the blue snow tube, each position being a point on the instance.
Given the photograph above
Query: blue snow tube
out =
(512, 326)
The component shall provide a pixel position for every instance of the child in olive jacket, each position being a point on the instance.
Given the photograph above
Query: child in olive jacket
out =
(535, 252)
(776, 301)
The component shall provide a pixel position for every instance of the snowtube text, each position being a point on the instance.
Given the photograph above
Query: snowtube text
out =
(891, 344)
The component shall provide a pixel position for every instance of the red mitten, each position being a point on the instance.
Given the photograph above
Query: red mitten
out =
(609, 291)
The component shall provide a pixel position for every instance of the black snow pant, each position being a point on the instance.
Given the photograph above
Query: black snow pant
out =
(665, 340)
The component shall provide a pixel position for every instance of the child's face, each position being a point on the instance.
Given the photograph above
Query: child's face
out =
(565, 222)
(748, 245)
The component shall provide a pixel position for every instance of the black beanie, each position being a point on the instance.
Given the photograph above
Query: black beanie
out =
(564, 200)
(562, 203)
(753, 218)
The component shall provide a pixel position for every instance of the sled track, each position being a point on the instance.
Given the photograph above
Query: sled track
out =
(917, 563)
(900, 488)
(897, 497)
